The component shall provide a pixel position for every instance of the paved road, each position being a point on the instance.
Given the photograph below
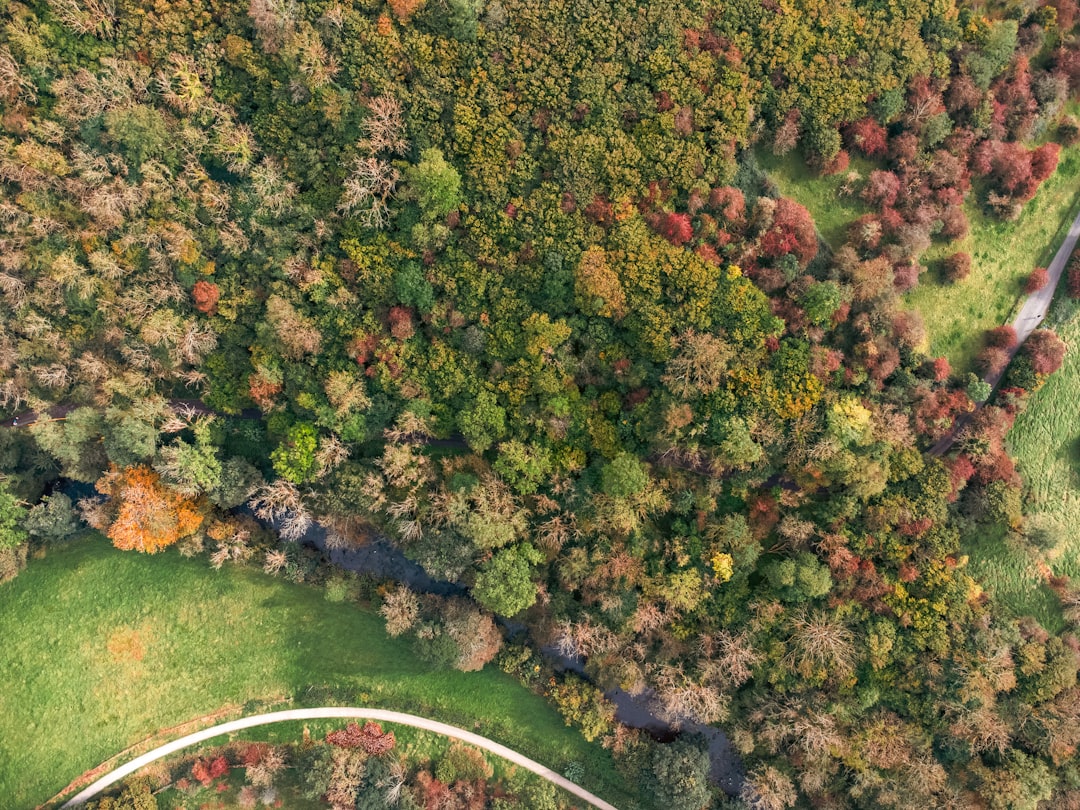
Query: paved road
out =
(1036, 306)
(343, 712)
(1027, 320)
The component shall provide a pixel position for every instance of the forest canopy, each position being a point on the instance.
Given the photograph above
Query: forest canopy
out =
(504, 279)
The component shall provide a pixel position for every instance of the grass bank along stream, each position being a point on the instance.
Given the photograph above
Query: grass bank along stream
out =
(102, 648)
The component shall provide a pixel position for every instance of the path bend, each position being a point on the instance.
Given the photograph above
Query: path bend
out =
(336, 712)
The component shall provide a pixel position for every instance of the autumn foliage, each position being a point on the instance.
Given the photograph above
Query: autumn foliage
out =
(1036, 280)
(371, 738)
(141, 514)
(205, 295)
(207, 770)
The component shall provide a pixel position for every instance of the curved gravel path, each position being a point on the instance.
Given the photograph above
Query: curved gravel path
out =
(330, 712)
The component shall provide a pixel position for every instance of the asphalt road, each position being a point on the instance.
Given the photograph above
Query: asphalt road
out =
(343, 712)
(1036, 306)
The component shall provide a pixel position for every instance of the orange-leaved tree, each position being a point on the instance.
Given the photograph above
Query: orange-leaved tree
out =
(143, 514)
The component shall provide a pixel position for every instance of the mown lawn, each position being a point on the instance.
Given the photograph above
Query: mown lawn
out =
(103, 648)
(1003, 253)
(1046, 444)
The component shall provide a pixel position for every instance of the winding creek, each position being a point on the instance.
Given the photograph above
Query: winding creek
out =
(380, 558)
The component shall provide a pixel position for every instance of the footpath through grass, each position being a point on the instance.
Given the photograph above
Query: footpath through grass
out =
(102, 648)
(1046, 444)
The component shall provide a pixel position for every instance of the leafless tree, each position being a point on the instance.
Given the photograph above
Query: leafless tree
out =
(97, 17)
(383, 126)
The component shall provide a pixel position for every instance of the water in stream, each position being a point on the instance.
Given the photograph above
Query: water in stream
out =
(382, 559)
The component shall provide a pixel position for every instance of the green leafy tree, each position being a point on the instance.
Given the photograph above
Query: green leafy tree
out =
(978, 390)
(412, 288)
(679, 776)
(294, 459)
(799, 578)
(504, 584)
(434, 184)
(623, 476)
(54, 519)
(483, 422)
(820, 301)
(12, 517)
(190, 469)
(523, 466)
(130, 436)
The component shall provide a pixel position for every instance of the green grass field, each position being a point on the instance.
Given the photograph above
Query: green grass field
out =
(1003, 253)
(1046, 444)
(103, 648)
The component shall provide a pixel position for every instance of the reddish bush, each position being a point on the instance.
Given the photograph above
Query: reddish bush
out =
(891, 221)
(867, 136)
(906, 276)
(1044, 161)
(729, 203)
(371, 738)
(792, 231)
(839, 163)
(207, 770)
(958, 266)
(1046, 350)
(904, 148)
(1072, 279)
(401, 322)
(676, 228)
(947, 170)
(1036, 280)
(961, 142)
(954, 223)
(881, 189)
(941, 369)
(960, 472)
(205, 294)
(963, 95)
(599, 211)
(865, 233)
(1002, 337)
(992, 360)
(936, 410)
(1066, 14)
(982, 157)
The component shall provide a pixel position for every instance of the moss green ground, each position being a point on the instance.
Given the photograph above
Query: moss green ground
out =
(103, 648)
(1003, 253)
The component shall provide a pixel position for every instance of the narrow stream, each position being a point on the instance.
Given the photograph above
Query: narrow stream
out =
(380, 558)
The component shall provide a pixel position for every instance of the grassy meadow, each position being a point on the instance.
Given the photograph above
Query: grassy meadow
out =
(103, 648)
(1046, 444)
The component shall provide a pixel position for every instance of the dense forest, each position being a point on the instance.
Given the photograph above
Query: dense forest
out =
(504, 280)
